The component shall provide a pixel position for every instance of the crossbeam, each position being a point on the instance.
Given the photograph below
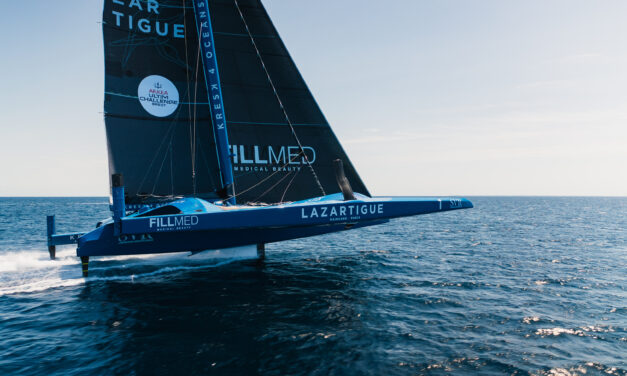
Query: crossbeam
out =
(59, 239)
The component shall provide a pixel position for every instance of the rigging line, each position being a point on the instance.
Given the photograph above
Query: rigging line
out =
(165, 156)
(289, 185)
(252, 39)
(171, 129)
(154, 158)
(268, 177)
(273, 186)
(194, 121)
(203, 155)
(189, 106)
(172, 170)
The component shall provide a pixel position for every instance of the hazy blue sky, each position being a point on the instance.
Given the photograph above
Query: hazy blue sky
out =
(428, 97)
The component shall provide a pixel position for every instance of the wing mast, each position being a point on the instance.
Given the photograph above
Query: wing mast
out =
(214, 91)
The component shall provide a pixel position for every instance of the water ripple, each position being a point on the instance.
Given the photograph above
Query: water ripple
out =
(525, 286)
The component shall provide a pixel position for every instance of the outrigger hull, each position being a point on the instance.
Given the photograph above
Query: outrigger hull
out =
(198, 225)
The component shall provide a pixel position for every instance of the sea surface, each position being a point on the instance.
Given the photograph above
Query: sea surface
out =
(515, 286)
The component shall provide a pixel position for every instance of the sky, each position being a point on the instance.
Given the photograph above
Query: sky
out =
(491, 97)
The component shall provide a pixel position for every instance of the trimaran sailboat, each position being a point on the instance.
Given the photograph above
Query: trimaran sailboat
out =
(214, 139)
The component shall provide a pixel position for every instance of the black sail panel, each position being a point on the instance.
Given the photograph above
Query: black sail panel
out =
(157, 116)
(265, 155)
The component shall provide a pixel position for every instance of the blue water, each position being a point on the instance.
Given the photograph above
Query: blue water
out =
(515, 286)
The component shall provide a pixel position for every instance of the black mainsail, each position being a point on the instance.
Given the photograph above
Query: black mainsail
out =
(261, 140)
(159, 127)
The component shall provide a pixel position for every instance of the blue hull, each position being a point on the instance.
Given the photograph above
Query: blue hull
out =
(195, 225)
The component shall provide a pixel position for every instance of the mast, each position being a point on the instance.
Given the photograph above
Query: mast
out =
(214, 91)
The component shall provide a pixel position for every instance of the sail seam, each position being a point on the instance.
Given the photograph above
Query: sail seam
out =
(243, 35)
(278, 124)
(136, 97)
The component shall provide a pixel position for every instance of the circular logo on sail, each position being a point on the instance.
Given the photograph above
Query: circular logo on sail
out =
(158, 96)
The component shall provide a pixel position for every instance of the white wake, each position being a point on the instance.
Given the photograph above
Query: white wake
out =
(31, 271)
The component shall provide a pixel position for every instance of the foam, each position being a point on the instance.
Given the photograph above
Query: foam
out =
(16, 261)
(581, 332)
(30, 271)
(530, 319)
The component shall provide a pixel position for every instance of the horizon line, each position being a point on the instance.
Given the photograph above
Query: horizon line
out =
(474, 195)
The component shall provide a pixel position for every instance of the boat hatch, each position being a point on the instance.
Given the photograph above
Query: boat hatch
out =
(164, 210)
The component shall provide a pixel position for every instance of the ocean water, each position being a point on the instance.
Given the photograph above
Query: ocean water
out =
(515, 286)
